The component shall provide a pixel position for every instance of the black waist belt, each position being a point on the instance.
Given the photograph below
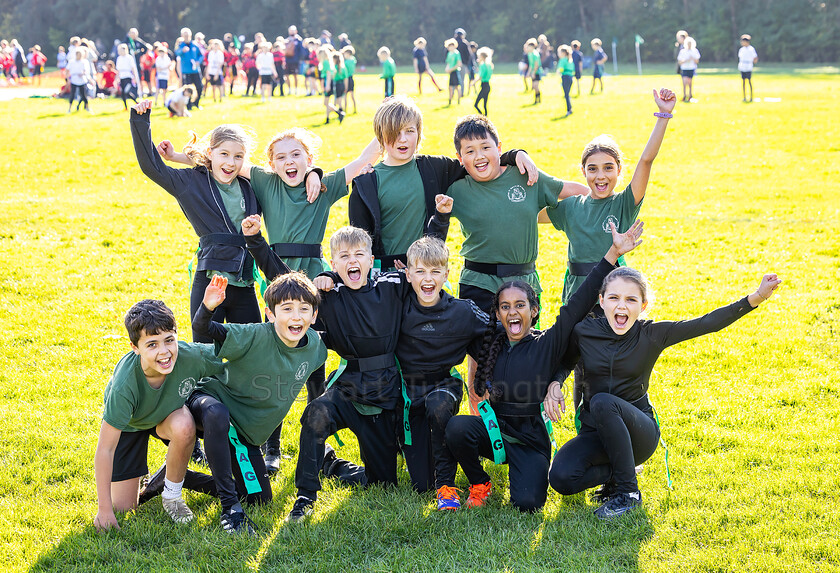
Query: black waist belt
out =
(303, 250)
(371, 363)
(387, 262)
(426, 378)
(221, 239)
(641, 403)
(500, 270)
(581, 269)
(516, 409)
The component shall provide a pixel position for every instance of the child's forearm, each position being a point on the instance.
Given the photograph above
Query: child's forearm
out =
(369, 155)
(572, 188)
(181, 157)
(103, 468)
(655, 140)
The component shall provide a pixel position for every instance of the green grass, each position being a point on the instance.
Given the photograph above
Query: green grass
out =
(750, 414)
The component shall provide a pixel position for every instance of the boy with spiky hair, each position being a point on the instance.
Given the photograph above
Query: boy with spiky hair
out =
(395, 203)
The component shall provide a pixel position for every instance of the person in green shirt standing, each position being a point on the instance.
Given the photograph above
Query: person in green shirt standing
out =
(349, 53)
(535, 70)
(485, 72)
(339, 83)
(389, 69)
(566, 67)
(453, 68)
(327, 73)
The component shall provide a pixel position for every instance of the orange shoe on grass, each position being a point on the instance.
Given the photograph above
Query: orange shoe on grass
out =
(447, 498)
(479, 494)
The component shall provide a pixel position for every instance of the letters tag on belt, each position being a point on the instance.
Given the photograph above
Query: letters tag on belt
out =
(252, 484)
(488, 416)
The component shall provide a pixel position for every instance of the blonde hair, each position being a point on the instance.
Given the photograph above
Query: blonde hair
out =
(450, 43)
(421, 41)
(310, 142)
(384, 50)
(565, 48)
(602, 144)
(532, 42)
(199, 150)
(595, 42)
(429, 250)
(395, 113)
(486, 53)
(265, 46)
(630, 275)
(351, 237)
(689, 43)
(348, 50)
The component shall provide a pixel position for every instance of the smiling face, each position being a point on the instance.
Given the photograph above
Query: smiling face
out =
(481, 158)
(289, 160)
(515, 313)
(601, 171)
(226, 160)
(291, 319)
(427, 281)
(157, 353)
(622, 302)
(352, 263)
(402, 149)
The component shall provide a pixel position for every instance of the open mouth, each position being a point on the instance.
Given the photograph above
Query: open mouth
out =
(515, 326)
(354, 273)
(601, 186)
(621, 319)
(295, 330)
(227, 171)
(403, 149)
(428, 290)
(482, 166)
(292, 173)
(165, 364)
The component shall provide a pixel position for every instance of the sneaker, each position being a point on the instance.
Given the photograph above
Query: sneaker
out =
(237, 522)
(301, 510)
(479, 494)
(618, 505)
(447, 498)
(198, 455)
(178, 510)
(341, 115)
(272, 460)
(329, 459)
(605, 492)
(153, 485)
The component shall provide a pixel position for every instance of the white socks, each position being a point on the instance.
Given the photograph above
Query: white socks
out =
(171, 489)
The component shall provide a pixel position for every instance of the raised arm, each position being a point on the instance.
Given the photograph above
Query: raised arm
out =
(665, 101)
(150, 161)
(203, 322)
(369, 156)
(267, 260)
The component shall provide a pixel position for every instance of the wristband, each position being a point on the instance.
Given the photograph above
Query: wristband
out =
(663, 114)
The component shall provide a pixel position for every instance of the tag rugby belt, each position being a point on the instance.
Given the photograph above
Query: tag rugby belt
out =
(500, 270)
(302, 250)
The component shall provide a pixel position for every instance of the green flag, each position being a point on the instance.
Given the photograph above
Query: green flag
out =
(639, 39)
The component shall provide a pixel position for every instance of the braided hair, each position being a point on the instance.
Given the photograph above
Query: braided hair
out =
(494, 341)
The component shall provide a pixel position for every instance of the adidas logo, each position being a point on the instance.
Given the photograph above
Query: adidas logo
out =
(428, 327)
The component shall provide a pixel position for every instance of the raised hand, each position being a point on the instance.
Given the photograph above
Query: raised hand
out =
(526, 164)
(769, 283)
(214, 294)
(665, 100)
(443, 203)
(251, 225)
(143, 106)
(166, 149)
(626, 242)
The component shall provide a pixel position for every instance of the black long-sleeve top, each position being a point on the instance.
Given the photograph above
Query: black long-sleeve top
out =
(222, 247)
(523, 371)
(622, 364)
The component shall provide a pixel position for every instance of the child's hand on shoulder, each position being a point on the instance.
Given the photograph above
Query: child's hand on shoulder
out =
(142, 107)
(251, 225)
(214, 294)
(323, 283)
(443, 203)
(526, 165)
(314, 188)
(665, 99)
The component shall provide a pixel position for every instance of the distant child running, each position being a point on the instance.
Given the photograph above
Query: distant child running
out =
(422, 66)
(484, 56)
(535, 70)
(599, 58)
(389, 69)
(453, 68)
(577, 60)
(78, 73)
(349, 53)
(747, 58)
(129, 76)
(566, 69)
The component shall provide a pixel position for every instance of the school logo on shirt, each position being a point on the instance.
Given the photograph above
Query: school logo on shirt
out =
(301, 371)
(186, 387)
(516, 194)
(242, 204)
(610, 219)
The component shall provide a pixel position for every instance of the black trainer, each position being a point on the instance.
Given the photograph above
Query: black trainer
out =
(153, 486)
(198, 455)
(237, 522)
(605, 492)
(329, 459)
(618, 505)
(302, 509)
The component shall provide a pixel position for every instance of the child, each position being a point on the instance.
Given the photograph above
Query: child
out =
(453, 68)
(472, 67)
(61, 59)
(747, 58)
(339, 84)
(129, 76)
(349, 53)
(535, 71)
(485, 72)
(516, 365)
(145, 397)
(266, 70)
(78, 73)
(577, 60)
(38, 61)
(327, 72)
(678, 46)
(395, 203)
(231, 61)
(311, 63)
(266, 365)
(178, 101)
(585, 219)
(277, 51)
(422, 66)
(214, 73)
(163, 63)
(618, 352)
(389, 69)
(523, 67)
(599, 58)
(109, 77)
(688, 59)
(566, 67)
(147, 64)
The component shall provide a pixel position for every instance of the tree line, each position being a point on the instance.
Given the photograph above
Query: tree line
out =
(782, 30)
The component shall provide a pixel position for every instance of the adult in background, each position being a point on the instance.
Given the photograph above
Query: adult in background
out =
(467, 60)
(343, 41)
(294, 51)
(190, 56)
(326, 38)
(136, 46)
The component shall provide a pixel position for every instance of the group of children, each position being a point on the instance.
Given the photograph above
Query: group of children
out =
(380, 304)
(15, 62)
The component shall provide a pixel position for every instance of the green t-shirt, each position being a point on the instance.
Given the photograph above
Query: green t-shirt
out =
(499, 222)
(402, 205)
(341, 74)
(534, 63)
(290, 218)
(389, 68)
(586, 223)
(263, 377)
(350, 65)
(453, 60)
(234, 203)
(132, 405)
(566, 66)
(325, 67)
(485, 72)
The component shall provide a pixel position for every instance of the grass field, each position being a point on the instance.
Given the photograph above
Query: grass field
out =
(751, 414)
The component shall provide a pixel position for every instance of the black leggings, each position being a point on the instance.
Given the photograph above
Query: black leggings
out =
(315, 385)
(567, 89)
(125, 84)
(253, 75)
(615, 436)
(468, 440)
(482, 95)
(212, 422)
(196, 80)
(429, 461)
(240, 305)
(82, 91)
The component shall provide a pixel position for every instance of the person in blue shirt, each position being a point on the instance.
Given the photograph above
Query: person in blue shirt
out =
(599, 58)
(191, 57)
(577, 60)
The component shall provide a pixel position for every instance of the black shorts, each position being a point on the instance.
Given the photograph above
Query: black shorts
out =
(291, 67)
(746, 75)
(536, 77)
(146, 75)
(338, 89)
(36, 71)
(597, 71)
(162, 84)
(131, 453)
(577, 74)
(351, 84)
(265, 79)
(687, 73)
(482, 298)
(216, 80)
(454, 78)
